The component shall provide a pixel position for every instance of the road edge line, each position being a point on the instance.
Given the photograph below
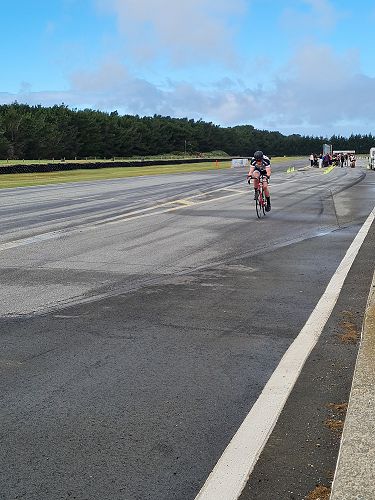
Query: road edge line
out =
(231, 472)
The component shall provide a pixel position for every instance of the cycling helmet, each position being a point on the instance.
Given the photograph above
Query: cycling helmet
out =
(258, 155)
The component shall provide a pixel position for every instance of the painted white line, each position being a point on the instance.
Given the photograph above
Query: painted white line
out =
(241, 191)
(233, 469)
(165, 206)
(130, 216)
(32, 239)
(183, 204)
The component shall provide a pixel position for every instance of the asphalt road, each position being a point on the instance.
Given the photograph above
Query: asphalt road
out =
(141, 318)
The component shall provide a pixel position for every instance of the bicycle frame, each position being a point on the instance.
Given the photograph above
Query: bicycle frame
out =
(260, 201)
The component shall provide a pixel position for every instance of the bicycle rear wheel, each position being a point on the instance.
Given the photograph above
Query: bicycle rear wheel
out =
(263, 202)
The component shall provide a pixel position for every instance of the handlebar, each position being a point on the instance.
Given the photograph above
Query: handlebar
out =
(260, 178)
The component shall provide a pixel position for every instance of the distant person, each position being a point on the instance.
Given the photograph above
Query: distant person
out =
(260, 164)
(311, 160)
(342, 159)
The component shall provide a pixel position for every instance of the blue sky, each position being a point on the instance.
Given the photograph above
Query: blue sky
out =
(302, 67)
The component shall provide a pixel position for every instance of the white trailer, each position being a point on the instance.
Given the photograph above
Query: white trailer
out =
(371, 159)
(240, 162)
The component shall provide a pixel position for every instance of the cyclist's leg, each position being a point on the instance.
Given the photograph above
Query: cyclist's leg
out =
(256, 175)
(266, 188)
(267, 194)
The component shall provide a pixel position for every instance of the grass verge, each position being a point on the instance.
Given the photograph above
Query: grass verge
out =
(82, 175)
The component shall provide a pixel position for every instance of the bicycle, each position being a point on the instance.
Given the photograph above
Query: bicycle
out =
(260, 197)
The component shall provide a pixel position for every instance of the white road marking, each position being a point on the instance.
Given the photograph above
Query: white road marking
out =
(241, 191)
(182, 204)
(233, 469)
(135, 214)
(32, 239)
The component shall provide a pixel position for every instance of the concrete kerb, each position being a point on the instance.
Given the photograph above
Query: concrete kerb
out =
(355, 470)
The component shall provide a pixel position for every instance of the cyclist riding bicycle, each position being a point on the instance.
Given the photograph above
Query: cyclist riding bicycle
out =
(260, 164)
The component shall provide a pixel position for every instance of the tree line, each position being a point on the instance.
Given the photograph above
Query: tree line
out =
(38, 132)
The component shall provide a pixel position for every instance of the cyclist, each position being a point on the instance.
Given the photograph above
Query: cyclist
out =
(260, 164)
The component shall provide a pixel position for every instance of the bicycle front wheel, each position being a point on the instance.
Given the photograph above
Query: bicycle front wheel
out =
(260, 205)
(258, 208)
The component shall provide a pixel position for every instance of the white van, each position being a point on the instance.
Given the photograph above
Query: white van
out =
(371, 159)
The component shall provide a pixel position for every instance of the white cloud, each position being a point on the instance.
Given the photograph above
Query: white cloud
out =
(316, 15)
(179, 31)
(112, 87)
(323, 12)
(317, 65)
(319, 92)
(107, 77)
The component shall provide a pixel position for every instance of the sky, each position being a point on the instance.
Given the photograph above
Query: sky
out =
(300, 67)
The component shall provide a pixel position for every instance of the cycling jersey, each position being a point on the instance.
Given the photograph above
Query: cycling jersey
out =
(266, 162)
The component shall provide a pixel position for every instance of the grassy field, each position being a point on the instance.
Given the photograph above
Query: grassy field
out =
(82, 175)
(37, 179)
(172, 156)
